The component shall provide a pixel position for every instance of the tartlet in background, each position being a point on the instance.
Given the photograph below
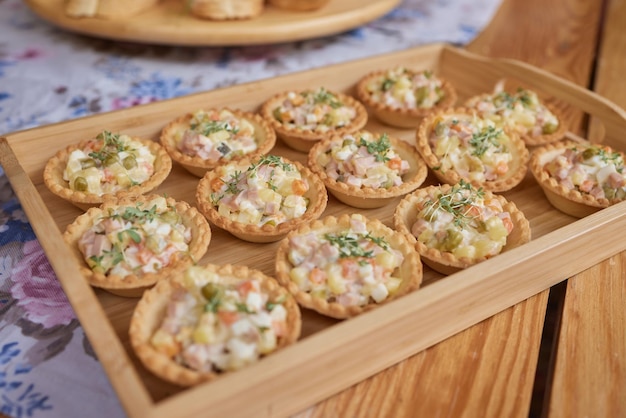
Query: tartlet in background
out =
(110, 165)
(202, 343)
(458, 145)
(226, 9)
(303, 117)
(402, 97)
(125, 246)
(367, 170)
(534, 120)
(201, 140)
(343, 266)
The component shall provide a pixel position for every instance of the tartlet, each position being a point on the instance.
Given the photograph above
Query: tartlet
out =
(302, 118)
(341, 267)
(262, 199)
(536, 122)
(458, 144)
(226, 9)
(110, 165)
(580, 178)
(457, 226)
(201, 140)
(401, 96)
(125, 246)
(367, 170)
(211, 320)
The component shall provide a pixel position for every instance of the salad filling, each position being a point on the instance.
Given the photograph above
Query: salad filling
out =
(217, 323)
(135, 239)
(217, 134)
(595, 170)
(364, 160)
(352, 267)
(463, 221)
(109, 163)
(269, 191)
(406, 89)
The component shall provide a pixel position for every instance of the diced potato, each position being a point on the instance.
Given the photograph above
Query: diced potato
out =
(465, 251)
(335, 281)
(386, 260)
(300, 276)
(393, 284)
(204, 334)
(267, 342)
(496, 229)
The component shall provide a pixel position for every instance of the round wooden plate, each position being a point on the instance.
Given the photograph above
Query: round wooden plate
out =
(171, 24)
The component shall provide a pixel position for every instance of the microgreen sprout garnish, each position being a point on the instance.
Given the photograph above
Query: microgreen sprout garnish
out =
(207, 128)
(232, 187)
(378, 148)
(324, 96)
(349, 246)
(483, 140)
(112, 146)
(458, 201)
(271, 160)
(136, 214)
(607, 156)
(428, 73)
(387, 84)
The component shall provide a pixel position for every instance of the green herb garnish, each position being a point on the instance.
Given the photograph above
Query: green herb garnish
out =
(457, 201)
(482, 140)
(378, 148)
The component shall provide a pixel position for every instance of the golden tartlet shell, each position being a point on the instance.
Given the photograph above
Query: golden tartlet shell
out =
(299, 5)
(444, 262)
(303, 139)
(317, 195)
(411, 270)
(226, 9)
(150, 311)
(264, 135)
(398, 116)
(134, 285)
(514, 176)
(54, 168)
(569, 201)
(533, 141)
(368, 197)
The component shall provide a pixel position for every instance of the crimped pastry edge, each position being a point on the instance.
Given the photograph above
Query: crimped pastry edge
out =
(402, 117)
(514, 177)
(317, 195)
(133, 285)
(444, 262)
(53, 176)
(264, 134)
(149, 313)
(367, 197)
(303, 139)
(412, 271)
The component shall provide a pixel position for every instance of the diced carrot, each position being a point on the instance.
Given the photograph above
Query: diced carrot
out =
(508, 224)
(317, 275)
(472, 211)
(245, 287)
(348, 268)
(395, 163)
(228, 317)
(299, 187)
(502, 167)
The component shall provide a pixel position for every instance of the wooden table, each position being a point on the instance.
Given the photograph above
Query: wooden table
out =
(561, 353)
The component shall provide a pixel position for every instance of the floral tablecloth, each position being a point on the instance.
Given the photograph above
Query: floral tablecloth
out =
(47, 366)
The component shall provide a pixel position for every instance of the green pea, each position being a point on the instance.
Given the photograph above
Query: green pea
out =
(212, 291)
(589, 153)
(549, 128)
(452, 240)
(110, 160)
(129, 162)
(276, 114)
(80, 184)
(171, 217)
(421, 94)
(87, 163)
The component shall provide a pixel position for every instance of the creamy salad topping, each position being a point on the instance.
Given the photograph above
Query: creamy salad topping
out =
(135, 239)
(318, 110)
(472, 146)
(404, 88)
(364, 160)
(109, 163)
(270, 191)
(522, 110)
(462, 221)
(595, 170)
(215, 323)
(217, 134)
(352, 267)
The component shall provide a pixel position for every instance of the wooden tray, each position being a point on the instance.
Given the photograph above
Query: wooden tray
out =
(331, 355)
(170, 23)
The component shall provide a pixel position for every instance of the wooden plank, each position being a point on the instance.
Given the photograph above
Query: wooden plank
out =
(590, 367)
(487, 370)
